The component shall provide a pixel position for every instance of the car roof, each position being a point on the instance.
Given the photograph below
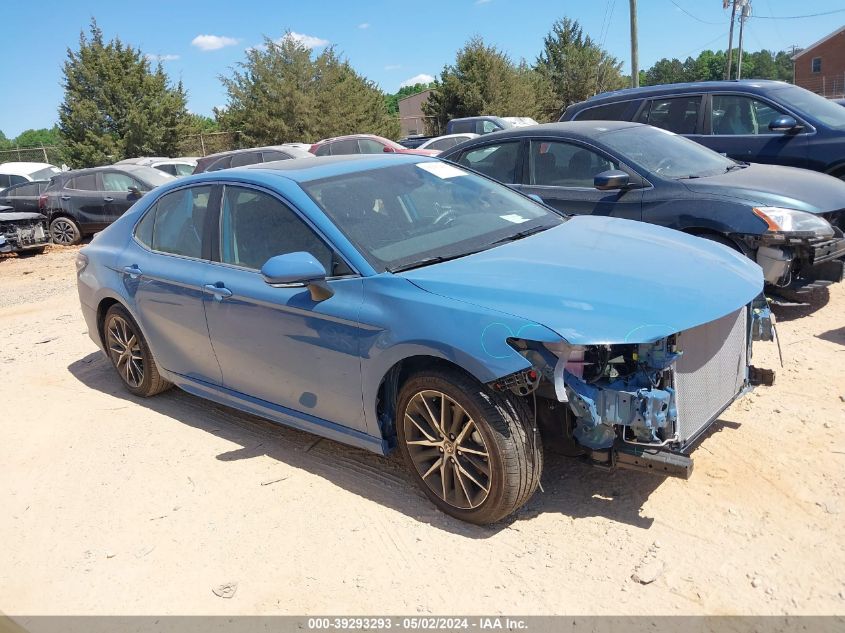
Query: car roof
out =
(304, 170)
(583, 130)
(348, 136)
(22, 168)
(279, 148)
(752, 85)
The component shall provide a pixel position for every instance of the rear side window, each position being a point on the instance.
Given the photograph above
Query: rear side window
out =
(271, 156)
(4, 181)
(444, 144)
(348, 146)
(607, 112)
(179, 222)
(324, 150)
(463, 126)
(678, 115)
(369, 146)
(497, 161)
(246, 158)
(220, 163)
(25, 190)
(85, 182)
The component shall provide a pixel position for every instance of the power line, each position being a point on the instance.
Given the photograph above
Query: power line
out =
(796, 17)
(691, 15)
(699, 48)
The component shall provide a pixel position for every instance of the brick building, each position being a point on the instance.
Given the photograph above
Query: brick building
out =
(821, 66)
(411, 118)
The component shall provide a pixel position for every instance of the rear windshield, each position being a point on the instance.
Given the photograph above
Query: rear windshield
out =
(823, 110)
(44, 174)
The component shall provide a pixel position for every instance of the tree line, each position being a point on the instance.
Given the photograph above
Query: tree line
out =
(118, 103)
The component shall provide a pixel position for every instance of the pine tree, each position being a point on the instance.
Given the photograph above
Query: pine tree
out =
(116, 105)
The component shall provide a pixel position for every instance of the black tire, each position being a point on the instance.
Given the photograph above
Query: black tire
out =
(514, 451)
(137, 370)
(32, 251)
(65, 231)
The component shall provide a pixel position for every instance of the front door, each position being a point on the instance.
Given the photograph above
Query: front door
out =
(739, 128)
(562, 173)
(277, 344)
(117, 193)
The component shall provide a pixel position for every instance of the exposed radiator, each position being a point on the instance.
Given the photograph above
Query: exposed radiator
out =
(711, 371)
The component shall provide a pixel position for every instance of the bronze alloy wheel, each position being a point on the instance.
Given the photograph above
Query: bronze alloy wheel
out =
(447, 450)
(125, 351)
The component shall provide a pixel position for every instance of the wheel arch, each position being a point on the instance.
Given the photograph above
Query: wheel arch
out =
(724, 238)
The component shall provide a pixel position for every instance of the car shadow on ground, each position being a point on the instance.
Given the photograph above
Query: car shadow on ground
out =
(790, 311)
(834, 336)
(570, 487)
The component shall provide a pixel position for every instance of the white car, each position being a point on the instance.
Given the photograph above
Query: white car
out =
(442, 143)
(174, 166)
(17, 173)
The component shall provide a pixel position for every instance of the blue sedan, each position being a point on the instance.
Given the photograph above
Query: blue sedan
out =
(404, 302)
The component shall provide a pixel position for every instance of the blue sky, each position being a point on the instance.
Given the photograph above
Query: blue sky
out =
(389, 42)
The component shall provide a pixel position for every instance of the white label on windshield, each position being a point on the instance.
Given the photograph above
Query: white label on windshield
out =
(442, 170)
(514, 217)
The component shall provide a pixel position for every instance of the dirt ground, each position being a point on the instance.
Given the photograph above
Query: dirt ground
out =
(113, 504)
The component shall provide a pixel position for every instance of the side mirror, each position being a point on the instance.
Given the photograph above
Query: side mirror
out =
(387, 150)
(611, 179)
(295, 270)
(784, 124)
(536, 198)
(135, 191)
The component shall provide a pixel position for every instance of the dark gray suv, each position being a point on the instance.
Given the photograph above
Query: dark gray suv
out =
(755, 121)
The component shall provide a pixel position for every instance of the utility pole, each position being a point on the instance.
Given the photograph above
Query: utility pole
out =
(744, 14)
(635, 49)
(731, 35)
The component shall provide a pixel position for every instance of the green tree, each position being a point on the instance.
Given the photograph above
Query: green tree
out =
(4, 142)
(43, 137)
(280, 93)
(665, 71)
(483, 80)
(572, 67)
(116, 105)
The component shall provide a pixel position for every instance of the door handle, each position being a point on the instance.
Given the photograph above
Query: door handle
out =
(220, 292)
(133, 271)
(108, 199)
(65, 197)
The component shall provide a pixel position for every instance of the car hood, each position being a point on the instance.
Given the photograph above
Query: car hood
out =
(602, 280)
(775, 186)
(17, 216)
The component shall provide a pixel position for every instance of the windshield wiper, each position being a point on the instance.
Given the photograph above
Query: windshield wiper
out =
(690, 177)
(431, 260)
(737, 166)
(520, 234)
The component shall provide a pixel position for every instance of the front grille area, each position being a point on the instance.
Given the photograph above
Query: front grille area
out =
(711, 371)
(22, 233)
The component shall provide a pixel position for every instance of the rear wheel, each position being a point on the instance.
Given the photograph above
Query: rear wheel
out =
(470, 449)
(131, 356)
(65, 231)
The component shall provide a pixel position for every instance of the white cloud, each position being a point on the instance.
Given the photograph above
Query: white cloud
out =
(161, 58)
(308, 41)
(364, 25)
(393, 67)
(213, 42)
(422, 78)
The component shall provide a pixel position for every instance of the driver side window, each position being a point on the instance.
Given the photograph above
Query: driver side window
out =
(557, 164)
(255, 226)
(735, 115)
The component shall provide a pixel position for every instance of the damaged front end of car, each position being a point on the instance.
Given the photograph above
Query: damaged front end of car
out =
(22, 231)
(800, 253)
(642, 405)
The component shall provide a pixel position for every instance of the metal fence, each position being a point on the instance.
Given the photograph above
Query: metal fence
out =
(829, 85)
(209, 143)
(48, 154)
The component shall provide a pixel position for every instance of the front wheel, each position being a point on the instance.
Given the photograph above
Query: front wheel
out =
(472, 450)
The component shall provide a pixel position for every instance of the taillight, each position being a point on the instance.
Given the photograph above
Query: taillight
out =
(42, 202)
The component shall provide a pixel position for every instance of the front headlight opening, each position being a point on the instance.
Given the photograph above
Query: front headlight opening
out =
(791, 222)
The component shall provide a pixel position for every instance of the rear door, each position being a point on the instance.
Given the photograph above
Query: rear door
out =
(561, 173)
(738, 126)
(83, 198)
(681, 114)
(501, 161)
(23, 198)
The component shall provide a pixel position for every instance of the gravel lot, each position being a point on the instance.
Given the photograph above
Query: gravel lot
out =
(118, 505)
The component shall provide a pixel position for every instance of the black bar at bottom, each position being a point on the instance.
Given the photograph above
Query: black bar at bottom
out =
(650, 460)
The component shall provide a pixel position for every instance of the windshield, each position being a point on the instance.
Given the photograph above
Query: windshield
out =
(150, 175)
(44, 174)
(814, 106)
(666, 154)
(418, 213)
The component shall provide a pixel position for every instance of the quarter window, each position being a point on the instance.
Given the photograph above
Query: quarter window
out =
(497, 161)
(739, 115)
(608, 112)
(556, 164)
(255, 226)
(678, 115)
(179, 223)
(347, 146)
(220, 163)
